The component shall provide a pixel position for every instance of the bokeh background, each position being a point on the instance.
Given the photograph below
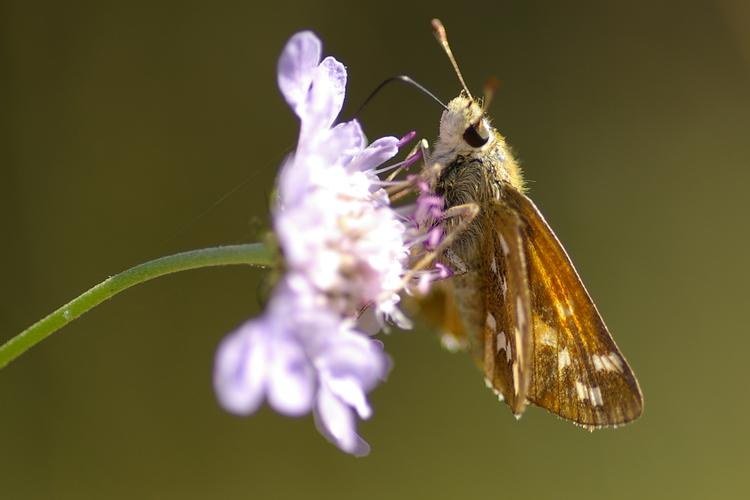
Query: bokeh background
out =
(127, 123)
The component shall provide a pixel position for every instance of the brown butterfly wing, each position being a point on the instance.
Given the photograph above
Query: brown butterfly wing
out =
(577, 370)
(507, 338)
(488, 307)
(439, 309)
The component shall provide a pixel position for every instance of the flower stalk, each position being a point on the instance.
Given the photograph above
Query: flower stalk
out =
(254, 254)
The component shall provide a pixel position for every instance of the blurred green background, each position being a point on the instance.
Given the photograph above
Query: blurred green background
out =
(127, 122)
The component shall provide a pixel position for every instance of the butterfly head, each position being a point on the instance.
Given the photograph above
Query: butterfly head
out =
(465, 126)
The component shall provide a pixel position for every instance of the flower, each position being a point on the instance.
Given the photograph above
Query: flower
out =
(301, 357)
(345, 250)
(333, 219)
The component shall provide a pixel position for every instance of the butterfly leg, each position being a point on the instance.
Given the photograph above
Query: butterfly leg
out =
(439, 306)
(456, 220)
(465, 215)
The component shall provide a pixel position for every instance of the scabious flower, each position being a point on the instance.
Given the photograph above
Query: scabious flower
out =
(345, 250)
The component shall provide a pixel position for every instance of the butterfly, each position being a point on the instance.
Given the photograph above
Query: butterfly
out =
(515, 299)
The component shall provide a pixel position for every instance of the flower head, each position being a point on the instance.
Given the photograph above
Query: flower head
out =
(300, 357)
(345, 249)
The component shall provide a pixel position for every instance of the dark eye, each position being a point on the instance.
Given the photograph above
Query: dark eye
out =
(473, 139)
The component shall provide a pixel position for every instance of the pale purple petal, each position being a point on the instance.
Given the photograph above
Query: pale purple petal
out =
(325, 99)
(335, 74)
(241, 368)
(394, 314)
(336, 146)
(354, 128)
(353, 355)
(292, 182)
(349, 390)
(375, 154)
(291, 383)
(336, 421)
(369, 322)
(297, 66)
(346, 141)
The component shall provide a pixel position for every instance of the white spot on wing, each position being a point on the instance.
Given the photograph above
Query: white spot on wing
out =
(565, 310)
(490, 321)
(581, 391)
(563, 359)
(501, 344)
(596, 396)
(616, 360)
(493, 265)
(547, 335)
(592, 392)
(504, 244)
(519, 341)
(520, 313)
(516, 378)
(610, 362)
(598, 365)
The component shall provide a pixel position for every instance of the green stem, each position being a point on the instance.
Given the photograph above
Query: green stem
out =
(254, 254)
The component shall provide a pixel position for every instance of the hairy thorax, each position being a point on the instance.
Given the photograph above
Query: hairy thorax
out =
(473, 177)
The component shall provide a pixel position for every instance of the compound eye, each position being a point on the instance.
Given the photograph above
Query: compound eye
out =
(474, 138)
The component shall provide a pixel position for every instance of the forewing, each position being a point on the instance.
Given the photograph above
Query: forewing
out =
(578, 372)
(507, 329)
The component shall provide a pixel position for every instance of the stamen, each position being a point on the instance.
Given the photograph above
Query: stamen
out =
(407, 139)
(408, 162)
(427, 277)
(444, 271)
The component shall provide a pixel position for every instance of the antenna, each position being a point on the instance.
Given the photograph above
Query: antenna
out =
(400, 78)
(490, 87)
(439, 31)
